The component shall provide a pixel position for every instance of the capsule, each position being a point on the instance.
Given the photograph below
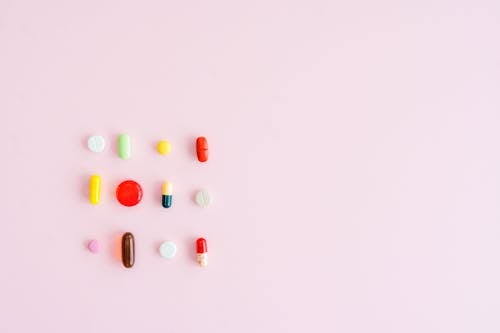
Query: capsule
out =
(128, 250)
(201, 252)
(95, 189)
(166, 194)
(202, 149)
(124, 146)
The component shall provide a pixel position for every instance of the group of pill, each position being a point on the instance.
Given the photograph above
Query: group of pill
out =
(129, 193)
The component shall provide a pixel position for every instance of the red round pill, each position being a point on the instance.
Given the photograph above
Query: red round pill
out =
(129, 193)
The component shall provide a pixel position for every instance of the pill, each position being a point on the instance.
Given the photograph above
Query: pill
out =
(166, 194)
(94, 246)
(124, 146)
(95, 189)
(128, 250)
(96, 143)
(202, 149)
(201, 252)
(168, 249)
(129, 193)
(202, 198)
(164, 147)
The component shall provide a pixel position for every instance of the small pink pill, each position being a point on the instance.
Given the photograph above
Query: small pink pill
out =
(94, 246)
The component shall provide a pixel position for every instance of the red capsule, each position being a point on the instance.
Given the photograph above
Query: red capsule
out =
(201, 245)
(201, 252)
(202, 149)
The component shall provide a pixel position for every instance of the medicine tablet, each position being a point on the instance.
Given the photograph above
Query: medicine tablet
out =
(202, 149)
(96, 143)
(124, 146)
(94, 246)
(129, 193)
(168, 249)
(202, 198)
(128, 250)
(95, 189)
(164, 147)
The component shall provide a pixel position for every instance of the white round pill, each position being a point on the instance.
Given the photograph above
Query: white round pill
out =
(202, 198)
(168, 249)
(96, 143)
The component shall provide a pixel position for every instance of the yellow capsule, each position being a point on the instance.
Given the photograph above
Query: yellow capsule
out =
(95, 189)
(166, 188)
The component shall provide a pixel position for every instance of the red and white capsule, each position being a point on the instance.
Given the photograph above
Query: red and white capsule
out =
(202, 252)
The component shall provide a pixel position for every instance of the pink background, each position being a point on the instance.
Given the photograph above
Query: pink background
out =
(355, 165)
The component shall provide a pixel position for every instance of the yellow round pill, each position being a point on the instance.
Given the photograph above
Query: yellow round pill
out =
(164, 147)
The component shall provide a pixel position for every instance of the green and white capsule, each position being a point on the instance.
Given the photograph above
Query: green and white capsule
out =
(166, 197)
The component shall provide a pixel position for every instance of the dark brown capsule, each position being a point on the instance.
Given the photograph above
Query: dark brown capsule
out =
(128, 250)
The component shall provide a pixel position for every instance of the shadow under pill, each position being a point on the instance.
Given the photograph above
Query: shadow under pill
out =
(84, 186)
(116, 249)
(190, 245)
(154, 147)
(114, 144)
(191, 147)
(156, 247)
(193, 197)
(85, 141)
(111, 191)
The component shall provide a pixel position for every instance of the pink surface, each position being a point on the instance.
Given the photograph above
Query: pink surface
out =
(354, 165)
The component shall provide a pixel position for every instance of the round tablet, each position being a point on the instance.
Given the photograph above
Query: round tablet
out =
(94, 246)
(202, 198)
(164, 147)
(129, 193)
(96, 143)
(168, 249)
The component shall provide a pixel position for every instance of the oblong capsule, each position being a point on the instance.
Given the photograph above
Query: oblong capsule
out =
(124, 149)
(166, 194)
(202, 149)
(128, 250)
(95, 189)
(202, 252)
